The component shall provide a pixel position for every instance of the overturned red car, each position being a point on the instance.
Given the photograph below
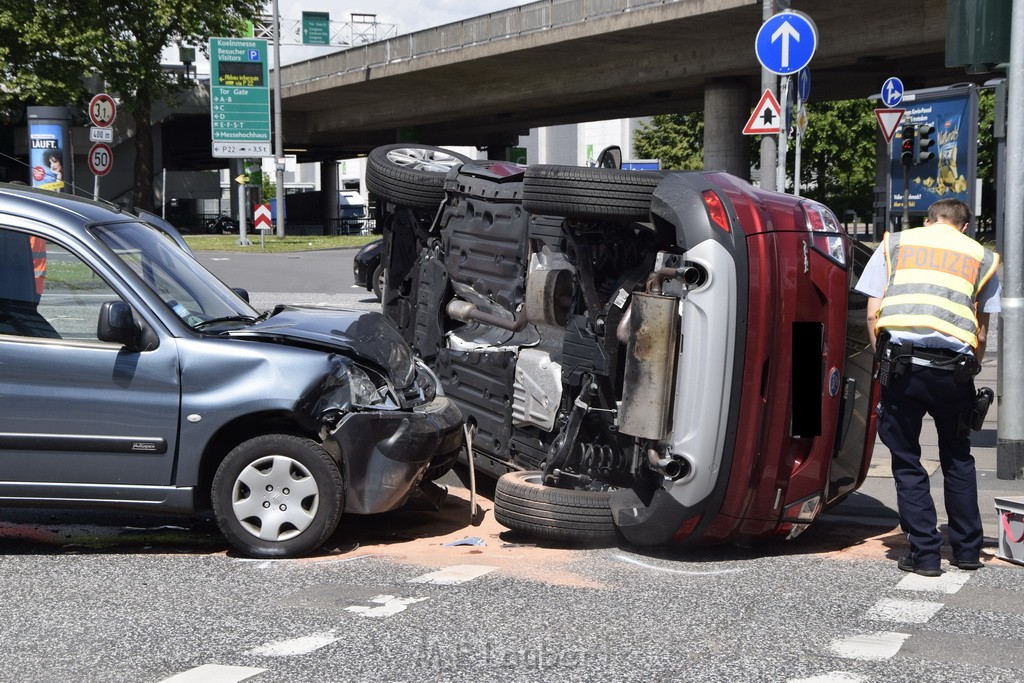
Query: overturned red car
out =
(658, 356)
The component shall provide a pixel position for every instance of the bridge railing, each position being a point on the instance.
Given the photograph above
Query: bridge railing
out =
(513, 22)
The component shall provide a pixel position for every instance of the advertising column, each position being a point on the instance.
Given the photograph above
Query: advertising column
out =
(49, 144)
(951, 173)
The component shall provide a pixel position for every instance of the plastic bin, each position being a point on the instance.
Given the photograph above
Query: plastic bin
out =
(1011, 529)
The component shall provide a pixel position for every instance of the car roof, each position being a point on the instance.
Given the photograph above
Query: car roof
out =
(64, 210)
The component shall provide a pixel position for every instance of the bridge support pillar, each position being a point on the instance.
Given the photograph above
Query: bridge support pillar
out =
(726, 109)
(329, 196)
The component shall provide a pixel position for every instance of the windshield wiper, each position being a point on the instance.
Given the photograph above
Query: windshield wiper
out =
(225, 319)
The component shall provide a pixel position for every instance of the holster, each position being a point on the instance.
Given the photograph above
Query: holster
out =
(893, 359)
(967, 367)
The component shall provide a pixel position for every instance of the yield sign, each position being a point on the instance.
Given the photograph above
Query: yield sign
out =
(261, 217)
(766, 118)
(889, 121)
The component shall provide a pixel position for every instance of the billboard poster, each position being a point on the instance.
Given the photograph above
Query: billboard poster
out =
(48, 155)
(951, 172)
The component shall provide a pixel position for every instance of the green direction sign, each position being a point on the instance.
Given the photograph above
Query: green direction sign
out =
(239, 97)
(316, 28)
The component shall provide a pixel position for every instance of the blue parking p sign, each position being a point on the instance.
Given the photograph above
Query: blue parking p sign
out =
(786, 42)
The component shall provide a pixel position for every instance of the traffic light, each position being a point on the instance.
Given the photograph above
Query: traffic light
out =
(908, 155)
(925, 143)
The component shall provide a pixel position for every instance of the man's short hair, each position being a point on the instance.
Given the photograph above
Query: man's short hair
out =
(950, 211)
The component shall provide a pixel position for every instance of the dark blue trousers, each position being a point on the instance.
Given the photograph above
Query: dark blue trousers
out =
(919, 391)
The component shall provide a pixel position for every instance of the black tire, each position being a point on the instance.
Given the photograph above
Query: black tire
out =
(304, 482)
(524, 504)
(377, 283)
(584, 192)
(410, 175)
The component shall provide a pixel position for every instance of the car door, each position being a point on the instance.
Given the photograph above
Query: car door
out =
(856, 437)
(73, 409)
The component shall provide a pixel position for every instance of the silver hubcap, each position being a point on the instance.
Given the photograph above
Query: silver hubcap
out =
(423, 159)
(275, 498)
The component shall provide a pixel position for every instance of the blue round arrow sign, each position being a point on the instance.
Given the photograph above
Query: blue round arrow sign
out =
(786, 42)
(803, 81)
(892, 92)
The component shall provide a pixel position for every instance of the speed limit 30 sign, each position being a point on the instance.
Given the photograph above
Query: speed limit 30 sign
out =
(101, 159)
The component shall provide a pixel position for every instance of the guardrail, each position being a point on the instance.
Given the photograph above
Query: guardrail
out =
(510, 23)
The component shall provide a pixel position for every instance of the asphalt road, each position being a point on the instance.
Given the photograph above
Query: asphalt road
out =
(420, 595)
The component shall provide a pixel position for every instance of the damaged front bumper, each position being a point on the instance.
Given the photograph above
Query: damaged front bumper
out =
(386, 453)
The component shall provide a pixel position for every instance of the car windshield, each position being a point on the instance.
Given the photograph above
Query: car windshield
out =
(188, 289)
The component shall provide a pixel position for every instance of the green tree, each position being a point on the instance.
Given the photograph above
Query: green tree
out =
(837, 152)
(47, 48)
(837, 155)
(676, 139)
(986, 157)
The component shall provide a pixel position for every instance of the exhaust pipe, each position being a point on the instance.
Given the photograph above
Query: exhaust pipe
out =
(673, 468)
(465, 311)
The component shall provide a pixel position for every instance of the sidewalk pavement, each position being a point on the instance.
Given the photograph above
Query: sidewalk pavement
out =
(875, 501)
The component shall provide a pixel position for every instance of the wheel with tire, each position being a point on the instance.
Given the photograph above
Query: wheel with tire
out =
(278, 495)
(524, 504)
(410, 175)
(378, 282)
(584, 192)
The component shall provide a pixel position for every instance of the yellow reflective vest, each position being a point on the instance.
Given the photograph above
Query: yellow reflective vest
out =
(935, 275)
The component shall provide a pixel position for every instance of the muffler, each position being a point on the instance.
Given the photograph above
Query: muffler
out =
(652, 338)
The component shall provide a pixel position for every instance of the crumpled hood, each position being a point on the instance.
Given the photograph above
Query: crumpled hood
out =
(362, 334)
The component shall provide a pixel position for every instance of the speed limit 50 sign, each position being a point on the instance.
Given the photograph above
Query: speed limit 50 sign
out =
(101, 159)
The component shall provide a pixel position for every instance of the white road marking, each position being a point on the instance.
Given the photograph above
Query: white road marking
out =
(830, 677)
(667, 570)
(872, 646)
(904, 611)
(295, 646)
(949, 582)
(214, 673)
(387, 605)
(450, 576)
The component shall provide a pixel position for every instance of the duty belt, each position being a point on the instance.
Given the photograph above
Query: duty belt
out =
(940, 359)
(894, 360)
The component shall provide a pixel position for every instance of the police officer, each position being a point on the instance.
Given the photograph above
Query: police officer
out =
(930, 292)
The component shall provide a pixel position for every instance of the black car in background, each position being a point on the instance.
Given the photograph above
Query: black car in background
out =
(368, 269)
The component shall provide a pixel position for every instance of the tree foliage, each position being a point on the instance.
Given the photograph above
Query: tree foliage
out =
(48, 47)
(838, 156)
(838, 153)
(676, 139)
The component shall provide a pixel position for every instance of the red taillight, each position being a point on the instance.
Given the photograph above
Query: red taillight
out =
(716, 210)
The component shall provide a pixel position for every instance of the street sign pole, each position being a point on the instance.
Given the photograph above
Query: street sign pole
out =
(784, 45)
(278, 136)
(796, 162)
(780, 181)
(1010, 439)
(768, 142)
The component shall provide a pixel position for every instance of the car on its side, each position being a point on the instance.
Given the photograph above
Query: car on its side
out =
(367, 268)
(655, 356)
(134, 379)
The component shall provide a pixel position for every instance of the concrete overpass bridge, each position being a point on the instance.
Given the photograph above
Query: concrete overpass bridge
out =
(488, 79)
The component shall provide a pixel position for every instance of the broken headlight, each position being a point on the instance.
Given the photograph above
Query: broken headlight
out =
(369, 389)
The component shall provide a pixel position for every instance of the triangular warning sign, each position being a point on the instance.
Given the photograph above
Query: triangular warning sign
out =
(889, 121)
(767, 117)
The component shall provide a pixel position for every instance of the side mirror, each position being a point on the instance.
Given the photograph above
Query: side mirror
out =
(242, 293)
(117, 324)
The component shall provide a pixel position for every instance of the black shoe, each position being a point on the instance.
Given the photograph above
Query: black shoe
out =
(969, 565)
(907, 564)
